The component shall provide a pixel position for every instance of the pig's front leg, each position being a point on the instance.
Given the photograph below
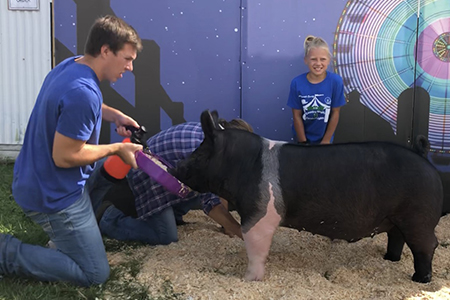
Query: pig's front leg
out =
(258, 240)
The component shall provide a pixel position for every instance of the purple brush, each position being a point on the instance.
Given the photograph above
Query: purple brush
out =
(156, 168)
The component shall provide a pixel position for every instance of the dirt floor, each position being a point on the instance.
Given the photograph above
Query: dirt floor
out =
(206, 264)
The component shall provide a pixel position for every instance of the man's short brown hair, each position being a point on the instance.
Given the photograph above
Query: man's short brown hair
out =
(112, 31)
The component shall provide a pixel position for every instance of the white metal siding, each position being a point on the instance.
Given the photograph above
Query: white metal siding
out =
(25, 60)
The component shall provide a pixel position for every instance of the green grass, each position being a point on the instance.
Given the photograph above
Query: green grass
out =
(122, 283)
(12, 219)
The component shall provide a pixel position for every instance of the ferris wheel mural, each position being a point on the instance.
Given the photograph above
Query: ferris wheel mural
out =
(376, 53)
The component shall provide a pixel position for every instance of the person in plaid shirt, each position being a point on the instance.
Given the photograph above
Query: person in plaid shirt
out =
(156, 212)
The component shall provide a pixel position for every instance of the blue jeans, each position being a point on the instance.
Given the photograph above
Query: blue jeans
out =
(80, 257)
(158, 229)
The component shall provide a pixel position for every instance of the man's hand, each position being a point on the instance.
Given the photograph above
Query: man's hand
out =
(119, 118)
(127, 153)
(122, 121)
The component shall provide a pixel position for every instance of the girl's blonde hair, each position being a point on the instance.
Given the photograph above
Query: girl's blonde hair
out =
(313, 42)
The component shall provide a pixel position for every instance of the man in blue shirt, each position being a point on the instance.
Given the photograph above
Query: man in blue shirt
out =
(53, 173)
(159, 211)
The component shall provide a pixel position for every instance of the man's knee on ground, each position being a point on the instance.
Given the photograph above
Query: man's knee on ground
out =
(100, 277)
(168, 239)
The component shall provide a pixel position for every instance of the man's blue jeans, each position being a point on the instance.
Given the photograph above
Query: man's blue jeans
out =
(158, 229)
(80, 257)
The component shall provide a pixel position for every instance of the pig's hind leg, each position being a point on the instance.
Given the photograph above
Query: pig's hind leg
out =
(420, 238)
(423, 252)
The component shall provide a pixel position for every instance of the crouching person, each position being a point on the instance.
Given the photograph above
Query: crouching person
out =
(155, 213)
(54, 182)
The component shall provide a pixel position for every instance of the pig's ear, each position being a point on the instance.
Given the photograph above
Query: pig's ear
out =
(209, 123)
(215, 117)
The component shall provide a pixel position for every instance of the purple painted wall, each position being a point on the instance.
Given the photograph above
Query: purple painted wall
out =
(239, 56)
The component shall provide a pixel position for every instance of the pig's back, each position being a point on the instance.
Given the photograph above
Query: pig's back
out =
(350, 190)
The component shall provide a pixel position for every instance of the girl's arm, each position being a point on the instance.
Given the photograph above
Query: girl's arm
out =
(332, 124)
(298, 125)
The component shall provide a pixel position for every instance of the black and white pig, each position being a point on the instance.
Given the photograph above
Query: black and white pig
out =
(343, 191)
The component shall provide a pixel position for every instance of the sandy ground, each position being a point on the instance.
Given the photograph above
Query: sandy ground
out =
(206, 264)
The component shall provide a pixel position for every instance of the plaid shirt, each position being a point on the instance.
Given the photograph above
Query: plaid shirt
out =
(173, 145)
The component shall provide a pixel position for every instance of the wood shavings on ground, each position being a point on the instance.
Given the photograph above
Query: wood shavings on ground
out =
(206, 264)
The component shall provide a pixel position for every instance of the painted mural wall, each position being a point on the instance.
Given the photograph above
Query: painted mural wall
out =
(239, 56)
(190, 60)
(394, 58)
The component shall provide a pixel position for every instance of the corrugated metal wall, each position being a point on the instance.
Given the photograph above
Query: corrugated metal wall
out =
(25, 59)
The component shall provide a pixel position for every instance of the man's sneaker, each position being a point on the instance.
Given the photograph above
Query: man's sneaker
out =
(50, 245)
(180, 222)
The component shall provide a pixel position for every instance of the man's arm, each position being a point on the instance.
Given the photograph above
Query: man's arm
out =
(68, 152)
(221, 215)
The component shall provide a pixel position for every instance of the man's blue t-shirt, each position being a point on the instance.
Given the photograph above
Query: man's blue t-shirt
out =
(316, 101)
(69, 102)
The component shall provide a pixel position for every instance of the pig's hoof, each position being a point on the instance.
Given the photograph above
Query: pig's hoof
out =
(253, 276)
(392, 257)
(421, 278)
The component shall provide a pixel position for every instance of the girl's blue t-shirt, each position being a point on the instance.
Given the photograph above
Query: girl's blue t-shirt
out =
(316, 101)
(69, 102)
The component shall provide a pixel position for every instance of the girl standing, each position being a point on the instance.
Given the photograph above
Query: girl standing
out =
(316, 96)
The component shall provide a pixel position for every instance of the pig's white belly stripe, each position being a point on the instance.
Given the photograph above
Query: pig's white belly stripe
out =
(271, 144)
(258, 237)
(267, 225)
(270, 202)
(258, 240)
(270, 183)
